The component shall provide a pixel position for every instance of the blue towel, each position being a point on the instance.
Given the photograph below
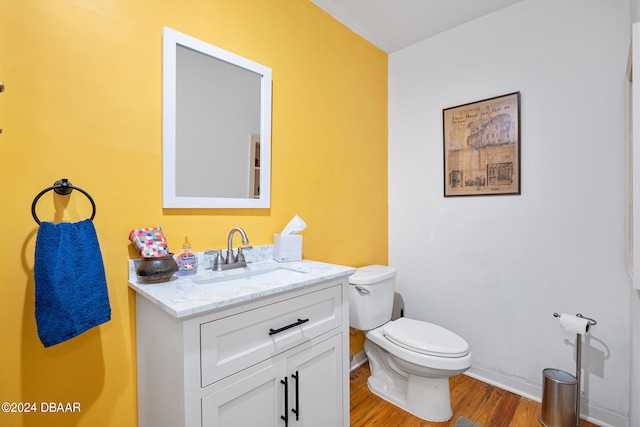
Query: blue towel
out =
(71, 287)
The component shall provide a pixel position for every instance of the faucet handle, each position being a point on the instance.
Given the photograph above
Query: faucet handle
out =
(240, 255)
(218, 260)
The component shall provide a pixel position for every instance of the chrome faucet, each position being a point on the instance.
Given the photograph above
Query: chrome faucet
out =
(231, 258)
(236, 260)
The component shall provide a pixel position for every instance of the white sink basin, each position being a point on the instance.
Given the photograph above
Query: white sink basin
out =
(246, 276)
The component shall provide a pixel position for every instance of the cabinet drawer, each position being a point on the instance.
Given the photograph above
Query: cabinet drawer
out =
(230, 344)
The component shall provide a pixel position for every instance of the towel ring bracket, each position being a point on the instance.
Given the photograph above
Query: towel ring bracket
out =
(64, 188)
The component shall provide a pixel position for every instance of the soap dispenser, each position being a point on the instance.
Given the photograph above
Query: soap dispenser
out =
(187, 259)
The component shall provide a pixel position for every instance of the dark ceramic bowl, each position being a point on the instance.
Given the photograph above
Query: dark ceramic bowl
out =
(157, 269)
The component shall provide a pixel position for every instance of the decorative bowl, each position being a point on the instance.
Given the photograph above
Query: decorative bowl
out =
(157, 269)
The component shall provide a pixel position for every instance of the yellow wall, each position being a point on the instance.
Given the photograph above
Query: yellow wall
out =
(83, 101)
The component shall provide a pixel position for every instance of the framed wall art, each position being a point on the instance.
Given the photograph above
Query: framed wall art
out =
(482, 147)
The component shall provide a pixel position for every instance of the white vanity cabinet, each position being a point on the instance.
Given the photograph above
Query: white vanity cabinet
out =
(278, 360)
(301, 387)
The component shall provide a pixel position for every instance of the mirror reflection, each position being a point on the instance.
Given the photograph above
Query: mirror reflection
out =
(216, 136)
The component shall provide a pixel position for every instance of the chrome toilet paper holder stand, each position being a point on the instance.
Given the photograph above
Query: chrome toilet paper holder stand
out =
(590, 322)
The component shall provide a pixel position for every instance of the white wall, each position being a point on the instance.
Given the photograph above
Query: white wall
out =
(494, 269)
(634, 395)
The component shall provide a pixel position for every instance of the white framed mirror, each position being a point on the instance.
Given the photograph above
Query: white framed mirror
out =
(216, 132)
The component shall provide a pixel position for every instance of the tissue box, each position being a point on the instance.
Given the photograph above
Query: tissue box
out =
(287, 247)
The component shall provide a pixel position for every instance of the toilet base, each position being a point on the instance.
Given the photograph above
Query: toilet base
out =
(426, 398)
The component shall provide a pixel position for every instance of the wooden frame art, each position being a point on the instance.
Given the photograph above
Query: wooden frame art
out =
(482, 147)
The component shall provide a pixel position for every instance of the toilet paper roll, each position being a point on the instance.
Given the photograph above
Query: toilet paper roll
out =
(575, 324)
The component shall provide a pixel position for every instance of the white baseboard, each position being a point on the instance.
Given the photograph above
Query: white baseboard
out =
(590, 412)
(358, 360)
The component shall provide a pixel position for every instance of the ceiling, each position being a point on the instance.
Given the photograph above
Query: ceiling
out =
(395, 24)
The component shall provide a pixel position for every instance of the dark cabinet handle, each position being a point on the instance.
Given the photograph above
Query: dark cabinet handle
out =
(296, 410)
(284, 328)
(285, 417)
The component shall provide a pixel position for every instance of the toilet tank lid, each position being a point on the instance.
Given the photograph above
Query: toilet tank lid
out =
(371, 274)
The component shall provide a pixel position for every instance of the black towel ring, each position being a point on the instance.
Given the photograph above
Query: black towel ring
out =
(62, 187)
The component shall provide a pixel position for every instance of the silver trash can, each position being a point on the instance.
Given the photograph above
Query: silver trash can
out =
(558, 399)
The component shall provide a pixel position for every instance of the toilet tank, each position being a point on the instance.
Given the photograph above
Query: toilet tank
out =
(371, 291)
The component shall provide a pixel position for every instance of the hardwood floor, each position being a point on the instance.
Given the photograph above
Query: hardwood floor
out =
(484, 404)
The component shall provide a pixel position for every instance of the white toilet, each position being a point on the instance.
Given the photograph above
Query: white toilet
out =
(410, 360)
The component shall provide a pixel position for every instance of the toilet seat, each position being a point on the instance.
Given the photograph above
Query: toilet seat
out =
(425, 338)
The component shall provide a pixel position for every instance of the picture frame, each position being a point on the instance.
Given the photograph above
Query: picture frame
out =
(481, 142)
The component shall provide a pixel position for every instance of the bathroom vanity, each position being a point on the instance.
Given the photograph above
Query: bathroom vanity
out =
(266, 345)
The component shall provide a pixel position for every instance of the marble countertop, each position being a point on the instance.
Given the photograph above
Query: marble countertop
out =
(209, 290)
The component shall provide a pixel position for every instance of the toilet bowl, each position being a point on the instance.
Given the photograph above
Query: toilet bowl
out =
(410, 360)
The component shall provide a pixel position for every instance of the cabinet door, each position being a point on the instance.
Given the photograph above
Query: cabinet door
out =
(315, 385)
(253, 399)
